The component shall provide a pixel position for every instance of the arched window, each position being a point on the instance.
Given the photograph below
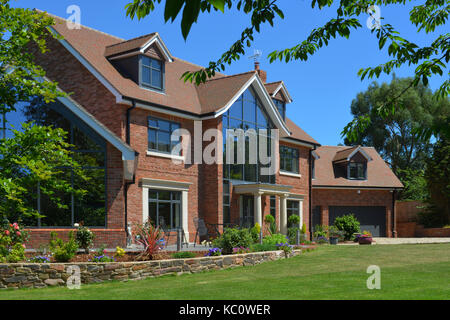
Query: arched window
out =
(89, 151)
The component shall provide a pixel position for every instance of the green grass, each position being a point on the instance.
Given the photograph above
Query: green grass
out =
(330, 272)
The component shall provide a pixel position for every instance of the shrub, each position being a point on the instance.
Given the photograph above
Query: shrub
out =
(183, 255)
(16, 253)
(321, 231)
(286, 247)
(275, 239)
(151, 238)
(348, 224)
(12, 242)
(63, 251)
(431, 218)
(263, 247)
(292, 235)
(255, 231)
(270, 221)
(101, 250)
(85, 238)
(294, 220)
(233, 238)
(334, 232)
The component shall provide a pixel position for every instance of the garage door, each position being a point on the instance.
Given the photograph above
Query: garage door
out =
(372, 219)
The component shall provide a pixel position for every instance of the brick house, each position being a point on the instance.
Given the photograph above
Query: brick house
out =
(125, 105)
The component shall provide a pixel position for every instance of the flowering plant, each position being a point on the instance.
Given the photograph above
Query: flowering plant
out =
(102, 258)
(85, 237)
(214, 252)
(12, 242)
(240, 250)
(119, 252)
(39, 259)
(286, 247)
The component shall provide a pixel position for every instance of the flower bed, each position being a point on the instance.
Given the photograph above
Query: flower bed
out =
(39, 275)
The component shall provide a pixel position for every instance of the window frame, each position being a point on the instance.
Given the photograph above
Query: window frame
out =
(357, 165)
(158, 130)
(280, 104)
(151, 68)
(284, 157)
(171, 202)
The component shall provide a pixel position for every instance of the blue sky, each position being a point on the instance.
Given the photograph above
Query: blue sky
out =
(322, 87)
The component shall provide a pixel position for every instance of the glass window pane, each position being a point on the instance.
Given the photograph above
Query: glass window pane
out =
(90, 208)
(176, 215)
(236, 110)
(146, 61)
(163, 195)
(83, 141)
(164, 141)
(156, 64)
(54, 215)
(249, 111)
(164, 125)
(152, 139)
(164, 214)
(146, 75)
(152, 194)
(152, 123)
(90, 159)
(152, 213)
(156, 79)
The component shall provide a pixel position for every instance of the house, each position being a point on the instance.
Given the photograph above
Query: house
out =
(354, 180)
(124, 113)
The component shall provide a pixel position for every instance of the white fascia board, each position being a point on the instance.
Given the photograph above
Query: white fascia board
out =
(359, 149)
(283, 88)
(266, 100)
(90, 68)
(157, 40)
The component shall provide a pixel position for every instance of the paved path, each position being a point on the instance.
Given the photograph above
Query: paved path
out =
(410, 240)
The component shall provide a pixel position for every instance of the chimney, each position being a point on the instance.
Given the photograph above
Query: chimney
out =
(262, 74)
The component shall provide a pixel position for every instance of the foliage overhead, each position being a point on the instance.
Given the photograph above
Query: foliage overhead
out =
(20, 77)
(431, 59)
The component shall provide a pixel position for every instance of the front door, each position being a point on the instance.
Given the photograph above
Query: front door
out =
(247, 211)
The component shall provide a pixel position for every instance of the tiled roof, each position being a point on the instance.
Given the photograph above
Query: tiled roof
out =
(344, 153)
(94, 46)
(379, 175)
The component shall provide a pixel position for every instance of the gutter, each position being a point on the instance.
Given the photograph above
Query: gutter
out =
(310, 193)
(394, 232)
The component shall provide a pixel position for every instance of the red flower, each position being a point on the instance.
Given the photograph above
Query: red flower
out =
(7, 232)
(18, 233)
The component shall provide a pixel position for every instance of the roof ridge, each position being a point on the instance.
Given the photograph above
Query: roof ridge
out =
(280, 81)
(86, 27)
(233, 75)
(133, 39)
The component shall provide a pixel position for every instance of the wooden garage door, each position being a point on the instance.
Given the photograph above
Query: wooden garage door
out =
(372, 219)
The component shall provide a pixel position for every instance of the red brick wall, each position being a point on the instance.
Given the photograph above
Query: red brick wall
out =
(300, 186)
(350, 197)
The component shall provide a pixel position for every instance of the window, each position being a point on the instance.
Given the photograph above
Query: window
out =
(293, 207)
(357, 170)
(160, 133)
(226, 203)
(281, 106)
(273, 205)
(289, 159)
(246, 113)
(152, 73)
(165, 208)
(89, 151)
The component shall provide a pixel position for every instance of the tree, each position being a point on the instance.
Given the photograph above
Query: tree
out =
(430, 60)
(36, 157)
(394, 136)
(20, 77)
(437, 175)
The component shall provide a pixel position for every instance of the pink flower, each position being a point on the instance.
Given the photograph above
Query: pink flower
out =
(15, 225)
(24, 246)
(7, 232)
(18, 233)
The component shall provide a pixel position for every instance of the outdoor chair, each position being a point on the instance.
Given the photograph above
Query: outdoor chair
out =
(164, 228)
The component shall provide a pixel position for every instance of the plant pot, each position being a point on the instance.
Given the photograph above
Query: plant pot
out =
(334, 240)
(365, 240)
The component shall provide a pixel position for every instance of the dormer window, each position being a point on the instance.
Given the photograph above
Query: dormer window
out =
(152, 73)
(357, 171)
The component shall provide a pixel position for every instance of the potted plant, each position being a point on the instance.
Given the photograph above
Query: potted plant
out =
(365, 238)
(334, 234)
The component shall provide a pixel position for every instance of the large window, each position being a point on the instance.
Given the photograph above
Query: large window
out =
(159, 135)
(357, 170)
(165, 208)
(226, 203)
(152, 73)
(281, 106)
(289, 159)
(89, 151)
(247, 113)
(293, 208)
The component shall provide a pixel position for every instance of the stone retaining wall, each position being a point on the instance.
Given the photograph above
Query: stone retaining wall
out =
(40, 275)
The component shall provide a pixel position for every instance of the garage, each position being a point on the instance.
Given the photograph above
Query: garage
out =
(372, 219)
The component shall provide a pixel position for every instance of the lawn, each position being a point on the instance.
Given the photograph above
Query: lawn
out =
(330, 272)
